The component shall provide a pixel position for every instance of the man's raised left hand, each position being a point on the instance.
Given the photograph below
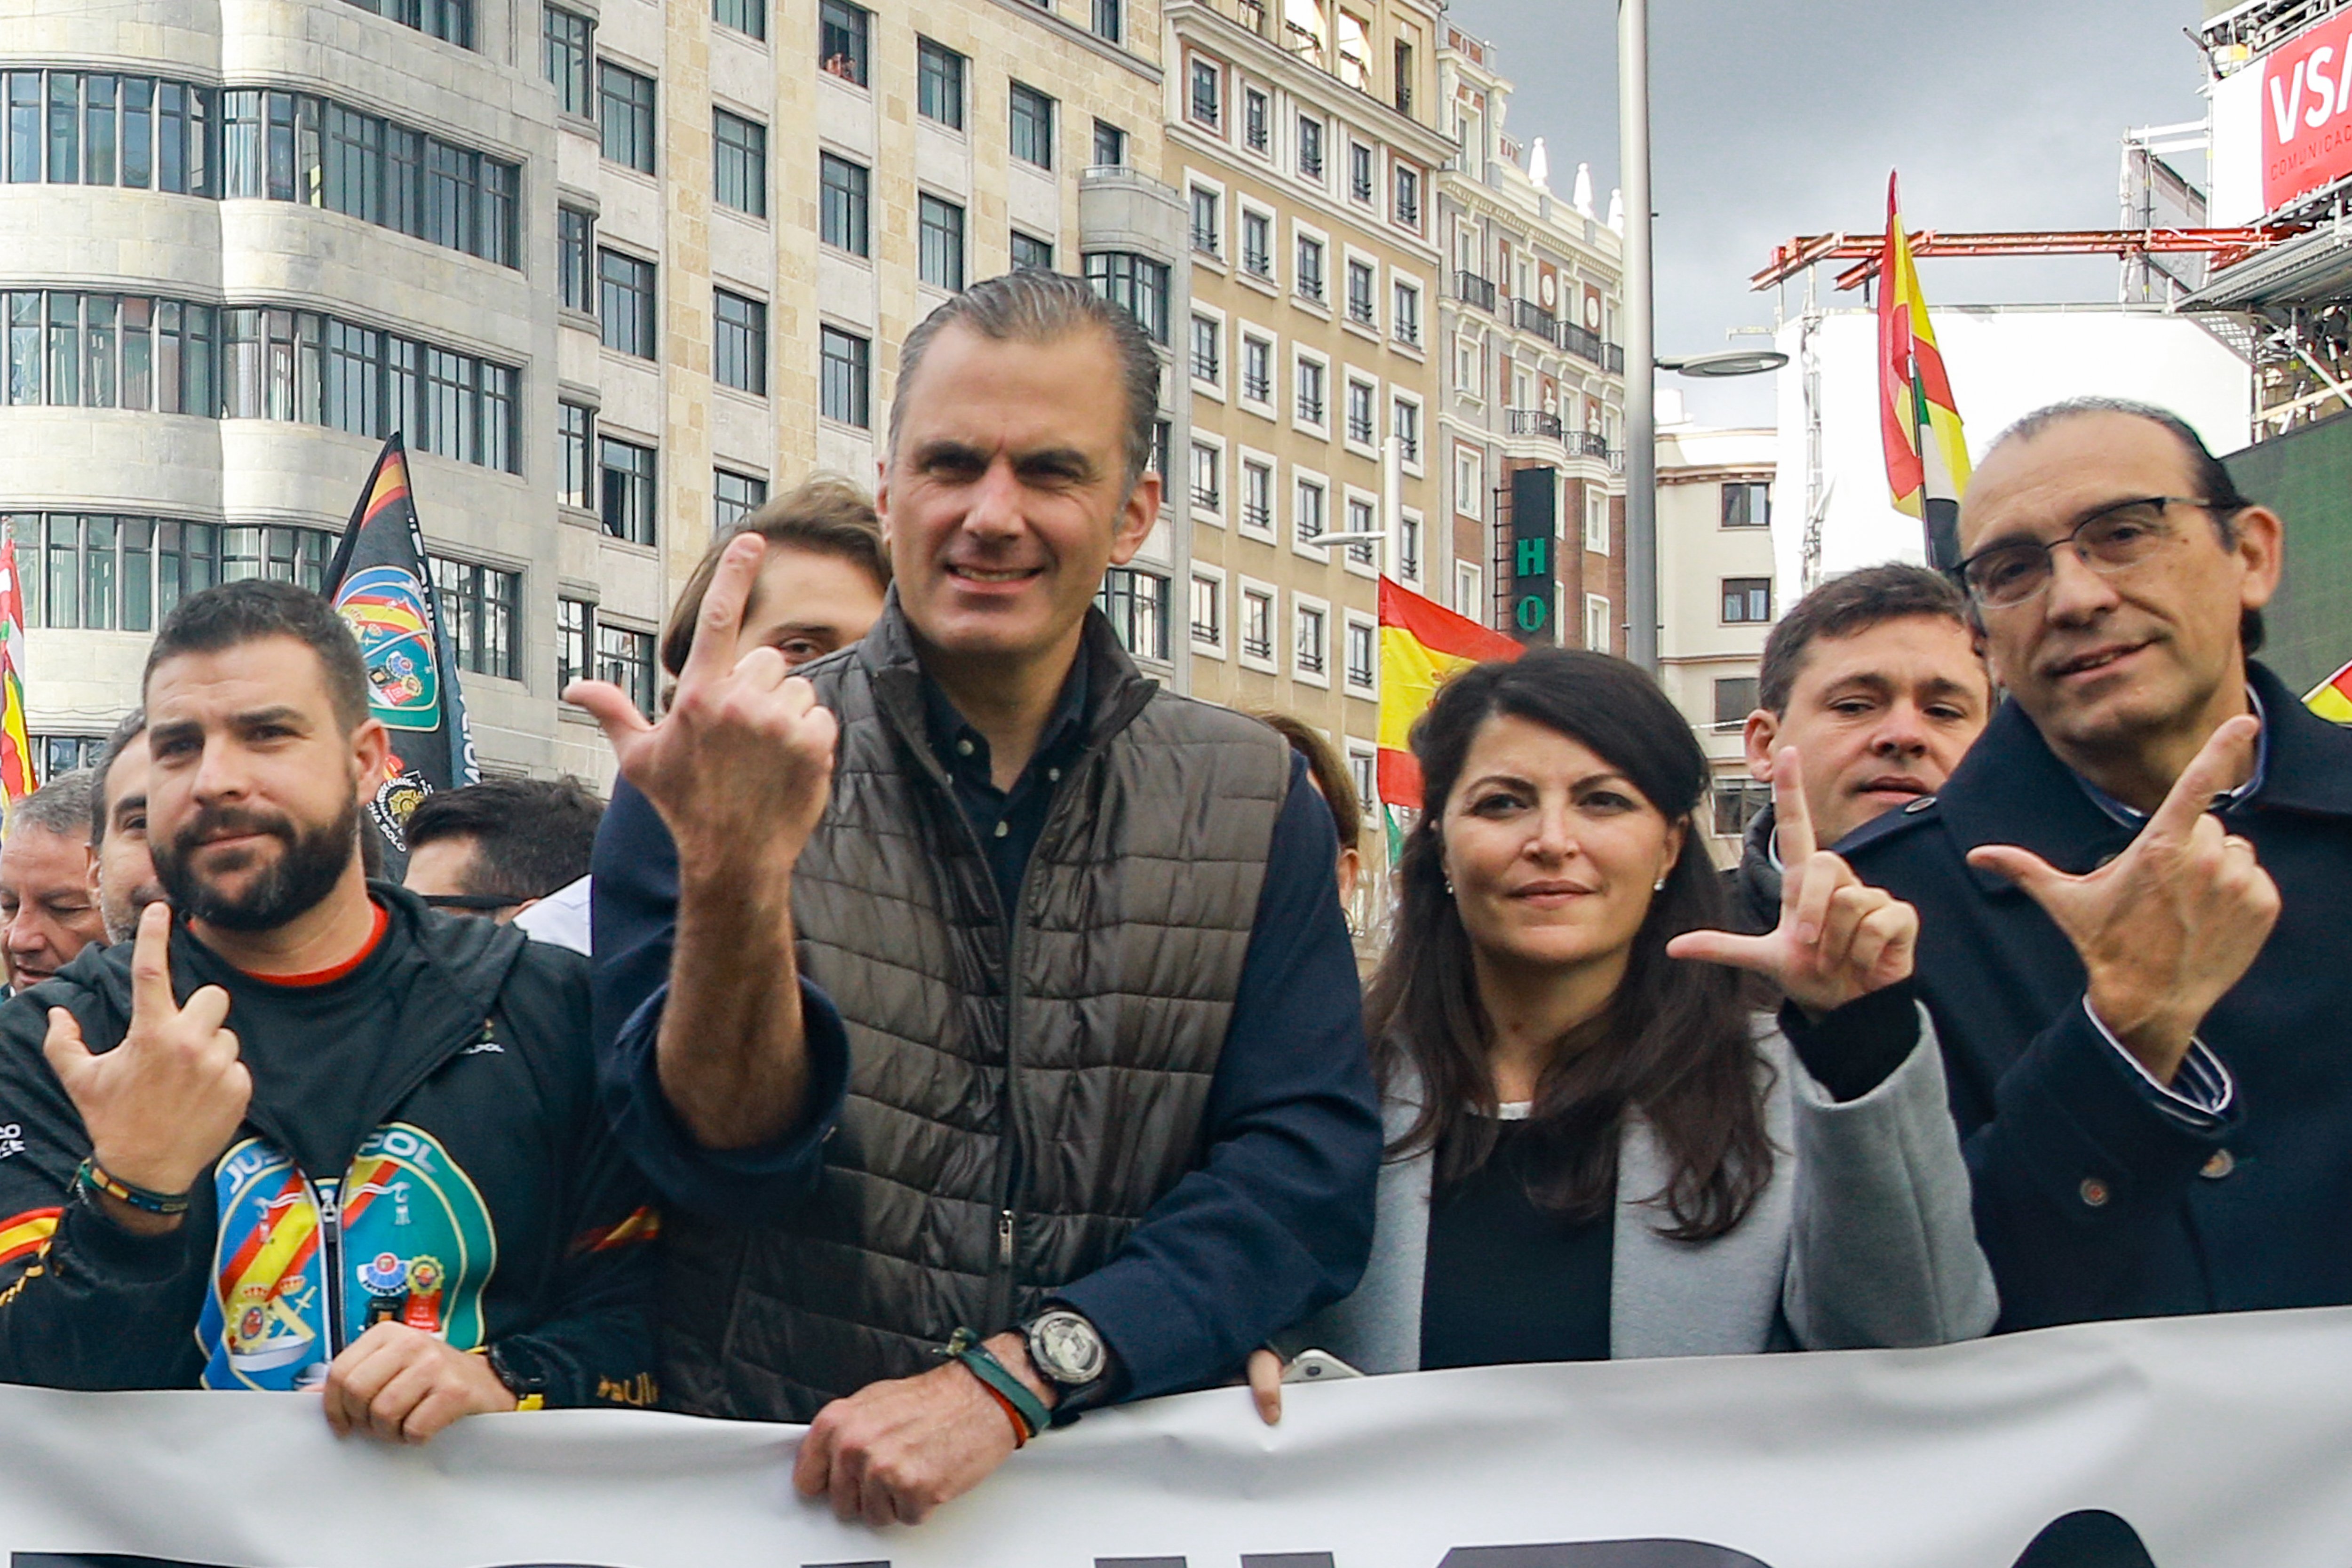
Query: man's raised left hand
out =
(892, 1452)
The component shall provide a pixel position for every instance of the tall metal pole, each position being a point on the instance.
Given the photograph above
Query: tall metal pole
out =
(1641, 337)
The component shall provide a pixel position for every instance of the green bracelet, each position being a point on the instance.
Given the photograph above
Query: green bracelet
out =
(964, 1345)
(94, 1178)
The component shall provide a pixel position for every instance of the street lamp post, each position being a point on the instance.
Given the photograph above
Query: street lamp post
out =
(1641, 338)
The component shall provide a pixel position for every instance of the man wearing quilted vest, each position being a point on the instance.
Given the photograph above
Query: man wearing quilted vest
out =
(985, 1011)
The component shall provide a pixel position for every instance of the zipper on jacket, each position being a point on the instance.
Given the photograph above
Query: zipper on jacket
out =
(1004, 1238)
(326, 1197)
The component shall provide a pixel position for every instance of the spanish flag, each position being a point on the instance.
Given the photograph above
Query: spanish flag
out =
(16, 779)
(1926, 451)
(2331, 699)
(1423, 644)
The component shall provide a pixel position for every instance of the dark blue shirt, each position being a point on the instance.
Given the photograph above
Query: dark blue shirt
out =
(1275, 1221)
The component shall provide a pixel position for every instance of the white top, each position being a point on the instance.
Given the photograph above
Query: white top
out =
(561, 918)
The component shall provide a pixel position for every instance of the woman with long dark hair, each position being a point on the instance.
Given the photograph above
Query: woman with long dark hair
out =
(1599, 1147)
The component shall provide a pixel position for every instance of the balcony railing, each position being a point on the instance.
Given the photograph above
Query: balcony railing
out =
(1587, 444)
(1472, 290)
(1531, 317)
(1531, 422)
(1257, 514)
(1582, 341)
(1207, 498)
(1617, 359)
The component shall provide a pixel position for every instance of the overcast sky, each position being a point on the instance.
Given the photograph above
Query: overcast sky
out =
(1775, 117)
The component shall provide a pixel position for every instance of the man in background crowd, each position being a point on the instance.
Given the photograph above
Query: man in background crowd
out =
(499, 846)
(1873, 677)
(2133, 892)
(46, 903)
(122, 869)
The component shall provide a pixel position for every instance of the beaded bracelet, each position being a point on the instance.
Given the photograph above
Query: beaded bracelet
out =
(92, 1177)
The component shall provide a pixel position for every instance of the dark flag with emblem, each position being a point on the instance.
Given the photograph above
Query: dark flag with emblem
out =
(382, 583)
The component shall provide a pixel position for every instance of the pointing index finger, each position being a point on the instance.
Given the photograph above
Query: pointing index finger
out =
(2218, 766)
(1791, 818)
(713, 654)
(150, 964)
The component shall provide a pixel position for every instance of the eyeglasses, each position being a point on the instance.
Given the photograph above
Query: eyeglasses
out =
(2111, 540)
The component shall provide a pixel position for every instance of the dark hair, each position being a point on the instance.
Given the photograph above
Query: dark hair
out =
(824, 514)
(1034, 306)
(235, 614)
(530, 836)
(1672, 1045)
(133, 725)
(60, 806)
(2217, 489)
(1846, 605)
(1331, 780)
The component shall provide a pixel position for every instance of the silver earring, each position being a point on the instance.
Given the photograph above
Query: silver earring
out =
(1449, 887)
(1659, 885)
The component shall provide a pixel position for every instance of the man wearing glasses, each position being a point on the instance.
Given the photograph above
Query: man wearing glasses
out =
(2134, 893)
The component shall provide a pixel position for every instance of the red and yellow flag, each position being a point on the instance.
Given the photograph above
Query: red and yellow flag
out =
(1423, 644)
(16, 744)
(2332, 697)
(1927, 450)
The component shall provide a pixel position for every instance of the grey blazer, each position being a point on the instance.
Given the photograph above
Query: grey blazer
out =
(1863, 1237)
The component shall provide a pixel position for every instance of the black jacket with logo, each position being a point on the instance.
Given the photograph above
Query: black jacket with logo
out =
(477, 1195)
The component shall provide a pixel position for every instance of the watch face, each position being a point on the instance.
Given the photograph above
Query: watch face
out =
(1067, 1349)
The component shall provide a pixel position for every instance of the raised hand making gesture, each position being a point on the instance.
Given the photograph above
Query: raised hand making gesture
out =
(2168, 926)
(161, 1105)
(1838, 939)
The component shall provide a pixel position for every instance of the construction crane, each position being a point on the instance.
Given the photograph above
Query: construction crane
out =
(2225, 245)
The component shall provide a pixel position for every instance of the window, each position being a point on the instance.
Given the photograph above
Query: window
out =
(575, 251)
(1469, 481)
(844, 377)
(1257, 623)
(1110, 146)
(1208, 493)
(1402, 78)
(625, 658)
(626, 101)
(625, 303)
(1596, 519)
(1738, 803)
(734, 497)
(1032, 127)
(626, 495)
(1308, 379)
(1208, 338)
(749, 17)
(1135, 281)
(1408, 547)
(1160, 430)
(938, 84)
(1468, 590)
(1364, 772)
(479, 607)
(741, 150)
(575, 429)
(942, 249)
(1747, 505)
(1362, 654)
(1362, 423)
(741, 360)
(1257, 244)
(1257, 370)
(1136, 604)
(1254, 118)
(1408, 196)
(1734, 699)
(1312, 641)
(1310, 148)
(1359, 292)
(574, 622)
(1747, 600)
(1208, 100)
(842, 204)
(1406, 317)
(1209, 612)
(841, 33)
(1310, 267)
(1361, 519)
(1257, 497)
(1107, 19)
(451, 21)
(1206, 233)
(106, 573)
(1029, 251)
(1597, 624)
(1359, 172)
(1404, 424)
(1308, 518)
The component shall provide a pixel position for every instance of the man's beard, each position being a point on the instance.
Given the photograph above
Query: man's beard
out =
(122, 915)
(305, 872)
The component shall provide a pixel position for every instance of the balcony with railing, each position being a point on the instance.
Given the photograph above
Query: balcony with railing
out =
(1531, 422)
(1582, 341)
(1472, 290)
(1531, 317)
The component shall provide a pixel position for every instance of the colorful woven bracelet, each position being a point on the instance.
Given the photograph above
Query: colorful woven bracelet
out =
(92, 1177)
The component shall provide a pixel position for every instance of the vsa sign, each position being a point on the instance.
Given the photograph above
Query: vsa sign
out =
(2306, 112)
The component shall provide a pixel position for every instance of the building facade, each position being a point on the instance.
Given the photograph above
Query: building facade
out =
(1531, 414)
(1716, 600)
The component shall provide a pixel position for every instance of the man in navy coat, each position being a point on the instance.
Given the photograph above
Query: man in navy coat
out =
(2136, 893)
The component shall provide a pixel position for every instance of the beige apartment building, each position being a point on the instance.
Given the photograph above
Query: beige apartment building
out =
(1304, 138)
(1530, 425)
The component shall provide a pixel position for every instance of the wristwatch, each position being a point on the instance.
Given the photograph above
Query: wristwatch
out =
(1069, 1353)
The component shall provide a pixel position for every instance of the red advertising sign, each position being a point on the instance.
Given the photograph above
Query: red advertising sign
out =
(2306, 112)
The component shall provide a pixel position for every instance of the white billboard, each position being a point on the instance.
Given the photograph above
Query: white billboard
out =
(2005, 363)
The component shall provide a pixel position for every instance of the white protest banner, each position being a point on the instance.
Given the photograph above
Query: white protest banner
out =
(2201, 1443)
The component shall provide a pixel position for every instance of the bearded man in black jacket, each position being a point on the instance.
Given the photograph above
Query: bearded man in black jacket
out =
(314, 1136)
